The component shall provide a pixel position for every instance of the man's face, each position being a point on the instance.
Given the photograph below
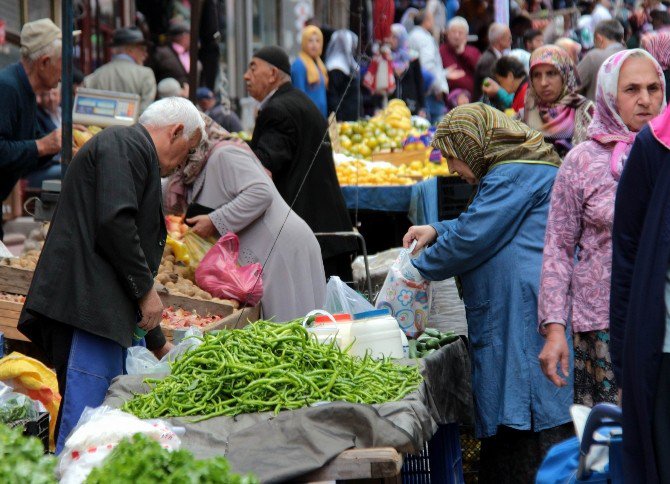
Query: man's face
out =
(174, 148)
(184, 40)
(457, 36)
(428, 22)
(259, 78)
(206, 104)
(138, 53)
(49, 71)
(506, 40)
(535, 43)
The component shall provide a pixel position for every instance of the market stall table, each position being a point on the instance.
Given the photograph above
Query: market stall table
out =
(311, 442)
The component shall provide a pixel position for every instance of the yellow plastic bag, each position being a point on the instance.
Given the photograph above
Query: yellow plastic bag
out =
(32, 378)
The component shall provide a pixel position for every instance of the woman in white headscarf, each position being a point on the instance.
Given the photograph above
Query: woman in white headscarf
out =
(343, 75)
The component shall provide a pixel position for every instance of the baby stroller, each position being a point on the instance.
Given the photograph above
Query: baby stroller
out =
(597, 459)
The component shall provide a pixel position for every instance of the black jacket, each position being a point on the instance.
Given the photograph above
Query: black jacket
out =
(410, 87)
(166, 64)
(105, 242)
(287, 136)
(483, 70)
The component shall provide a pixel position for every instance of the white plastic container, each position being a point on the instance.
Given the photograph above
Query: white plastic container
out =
(377, 332)
(332, 326)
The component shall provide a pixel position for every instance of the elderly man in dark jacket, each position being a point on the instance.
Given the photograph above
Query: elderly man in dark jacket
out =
(291, 140)
(92, 293)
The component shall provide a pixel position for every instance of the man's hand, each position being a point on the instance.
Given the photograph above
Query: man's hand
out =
(423, 234)
(454, 73)
(490, 87)
(151, 308)
(164, 350)
(202, 225)
(555, 350)
(50, 144)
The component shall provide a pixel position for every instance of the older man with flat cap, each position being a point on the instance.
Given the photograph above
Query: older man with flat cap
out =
(126, 71)
(291, 140)
(22, 147)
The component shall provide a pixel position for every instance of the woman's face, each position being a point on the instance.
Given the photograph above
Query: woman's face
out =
(313, 47)
(462, 169)
(639, 94)
(547, 82)
(394, 42)
(462, 99)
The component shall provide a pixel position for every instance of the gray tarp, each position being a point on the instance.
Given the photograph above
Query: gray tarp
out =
(281, 447)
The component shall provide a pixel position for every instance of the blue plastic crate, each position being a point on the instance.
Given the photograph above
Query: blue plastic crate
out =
(439, 462)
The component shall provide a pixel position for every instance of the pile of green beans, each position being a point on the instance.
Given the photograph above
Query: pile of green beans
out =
(269, 367)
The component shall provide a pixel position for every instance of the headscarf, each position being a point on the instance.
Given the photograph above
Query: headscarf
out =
(556, 120)
(482, 136)
(313, 65)
(658, 45)
(185, 177)
(454, 94)
(401, 56)
(607, 126)
(341, 52)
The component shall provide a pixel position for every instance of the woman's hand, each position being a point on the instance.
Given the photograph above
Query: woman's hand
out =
(555, 350)
(202, 225)
(423, 234)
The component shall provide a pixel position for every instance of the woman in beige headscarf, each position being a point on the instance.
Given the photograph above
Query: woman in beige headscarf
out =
(495, 247)
(224, 188)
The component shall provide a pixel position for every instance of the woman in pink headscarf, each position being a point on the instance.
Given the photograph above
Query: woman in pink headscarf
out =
(630, 92)
(658, 45)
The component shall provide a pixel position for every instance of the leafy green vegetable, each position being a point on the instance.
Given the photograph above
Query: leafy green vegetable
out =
(269, 367)
(141, 460)
(16, 408)
(22, 459)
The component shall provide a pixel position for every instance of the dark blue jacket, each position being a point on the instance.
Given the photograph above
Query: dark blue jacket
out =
(18, 128)
(641, 250)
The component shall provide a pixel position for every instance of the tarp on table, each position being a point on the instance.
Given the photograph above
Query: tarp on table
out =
(290, 444)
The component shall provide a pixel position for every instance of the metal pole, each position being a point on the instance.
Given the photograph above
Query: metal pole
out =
(196, 11)
(66, 84)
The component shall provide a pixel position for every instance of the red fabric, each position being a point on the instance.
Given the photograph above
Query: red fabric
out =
(370, 78)
(520, 97)
(383, 13)
(466, 61)
(220, 275)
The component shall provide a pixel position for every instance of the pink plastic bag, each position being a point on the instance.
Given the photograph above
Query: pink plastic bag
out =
(220, 275)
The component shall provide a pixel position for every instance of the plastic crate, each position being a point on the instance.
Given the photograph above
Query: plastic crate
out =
(453, 196)
(38, 427)
(470, 450)
(439, 462)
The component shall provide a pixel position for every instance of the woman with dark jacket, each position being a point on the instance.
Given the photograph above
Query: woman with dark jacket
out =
(640, 295)
(407, 70)
(341, 64)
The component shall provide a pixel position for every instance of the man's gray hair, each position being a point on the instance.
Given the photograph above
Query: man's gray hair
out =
(171, 111)
(610, 29)
(458, 22)
(497, 31)
(52, 50)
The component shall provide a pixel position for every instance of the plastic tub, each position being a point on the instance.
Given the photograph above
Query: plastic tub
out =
(378, 332)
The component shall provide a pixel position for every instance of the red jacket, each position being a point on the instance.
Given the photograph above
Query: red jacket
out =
(520, 97)
(466, 61)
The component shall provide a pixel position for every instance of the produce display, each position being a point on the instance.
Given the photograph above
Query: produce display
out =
(17, 298)
(429, 342)
(181, 318)
(175, 226)
(27, 261)
(385, 131)
(268, 367)
(143, 460)
(378, 173)
(81, 134)
(22, 459)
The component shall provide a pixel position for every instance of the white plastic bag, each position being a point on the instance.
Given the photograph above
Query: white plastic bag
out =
(340, 298)
(406, 294)
(141, 361)
(100, 430)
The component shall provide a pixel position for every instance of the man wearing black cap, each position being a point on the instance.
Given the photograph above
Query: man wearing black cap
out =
(126, 72)
(174, 58)
(291, 140)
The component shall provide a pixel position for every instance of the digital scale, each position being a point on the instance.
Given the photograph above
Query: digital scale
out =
(91, 107)
(105, 108)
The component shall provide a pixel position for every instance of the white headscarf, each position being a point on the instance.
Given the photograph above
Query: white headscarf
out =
(341, 51)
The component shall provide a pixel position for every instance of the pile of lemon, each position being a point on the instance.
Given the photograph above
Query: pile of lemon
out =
(384, 132)
(363, 173)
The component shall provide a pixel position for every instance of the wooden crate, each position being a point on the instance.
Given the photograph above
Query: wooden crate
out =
(15, 280)
(9, 319)
(401, 157)
(237, 319)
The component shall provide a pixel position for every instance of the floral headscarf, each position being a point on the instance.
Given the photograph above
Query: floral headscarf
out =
(185, 177)
(482, 136)
(607, 126)
(555, 120)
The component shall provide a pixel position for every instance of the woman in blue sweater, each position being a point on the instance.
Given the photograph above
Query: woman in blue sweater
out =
(308, 72)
